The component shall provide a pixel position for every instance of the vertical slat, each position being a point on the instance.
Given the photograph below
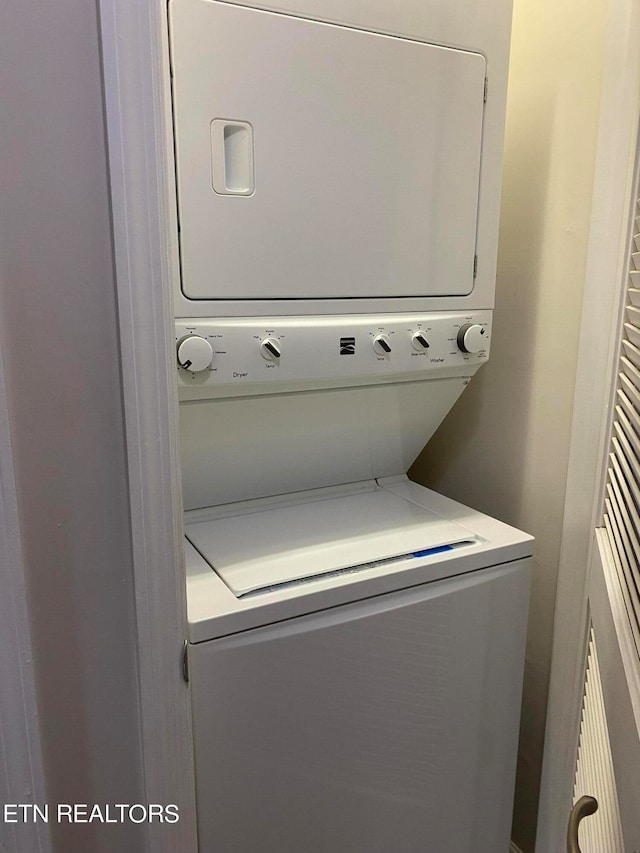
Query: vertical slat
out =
(625, 558)
(622, 503)
(629, 409)
(622, 567)
(624, 473)
(608, 793)
(601, 832)
(630, 389)
(627, 366)
(630, 441)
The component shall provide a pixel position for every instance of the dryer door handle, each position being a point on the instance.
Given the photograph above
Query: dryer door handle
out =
(232, 157)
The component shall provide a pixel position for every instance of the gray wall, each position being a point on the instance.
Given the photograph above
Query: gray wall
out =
(504, 448)
(60, 347)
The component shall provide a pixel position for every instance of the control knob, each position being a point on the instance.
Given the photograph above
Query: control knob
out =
(194, 353)
(382, 345)
(472, 338)
(270, 349)
(419, 341)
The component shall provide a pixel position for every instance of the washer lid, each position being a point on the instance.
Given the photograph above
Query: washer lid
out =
(267, 548)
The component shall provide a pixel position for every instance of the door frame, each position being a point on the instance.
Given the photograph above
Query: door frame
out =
(597, 367)
(136, 71)
(135, 66)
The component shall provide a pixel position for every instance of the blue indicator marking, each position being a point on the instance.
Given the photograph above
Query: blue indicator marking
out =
(429, 551)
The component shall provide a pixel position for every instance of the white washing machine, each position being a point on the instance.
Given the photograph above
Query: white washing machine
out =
(356, 641)
(355, 664)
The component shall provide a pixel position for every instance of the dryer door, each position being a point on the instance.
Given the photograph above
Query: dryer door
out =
(316, 161)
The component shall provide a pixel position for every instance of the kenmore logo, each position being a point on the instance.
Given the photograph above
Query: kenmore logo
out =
(347, 346)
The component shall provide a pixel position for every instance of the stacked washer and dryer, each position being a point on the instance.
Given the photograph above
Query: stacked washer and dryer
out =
(356, 641)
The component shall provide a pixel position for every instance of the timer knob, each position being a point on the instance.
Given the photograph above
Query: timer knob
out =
(419, 341)
(382, 345)
(270, 349)
(472, 338)
(194, 353)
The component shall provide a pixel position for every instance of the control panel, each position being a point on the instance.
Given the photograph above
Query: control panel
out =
(329, 350)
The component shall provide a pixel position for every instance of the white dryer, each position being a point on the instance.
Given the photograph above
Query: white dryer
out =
(337, 156)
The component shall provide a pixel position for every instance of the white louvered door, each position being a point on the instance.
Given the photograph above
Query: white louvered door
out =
(622, 501)
(594, 767)
(608, 762)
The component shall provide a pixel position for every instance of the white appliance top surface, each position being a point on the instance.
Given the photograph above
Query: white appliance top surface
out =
(264, 549)
(419, 515)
